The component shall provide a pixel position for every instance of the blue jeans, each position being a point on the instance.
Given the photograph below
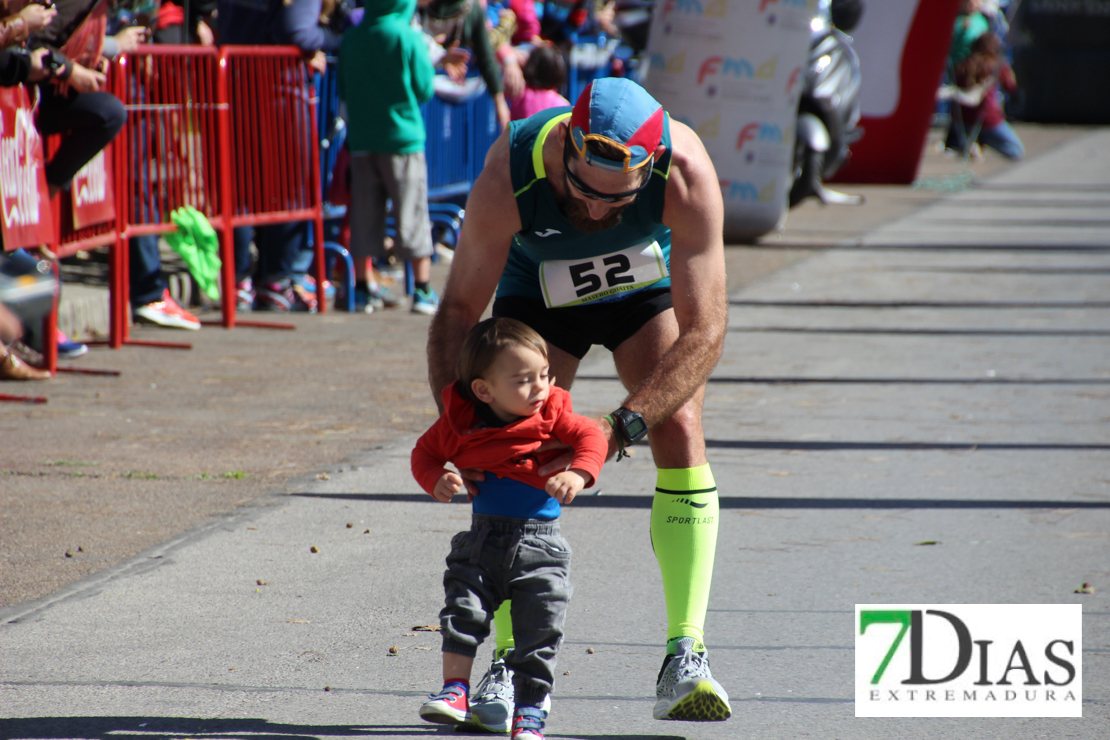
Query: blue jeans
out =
(279, 246)
(146, 279)
(1003, 140)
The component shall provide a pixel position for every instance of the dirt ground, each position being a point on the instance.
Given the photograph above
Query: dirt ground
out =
(113, 465)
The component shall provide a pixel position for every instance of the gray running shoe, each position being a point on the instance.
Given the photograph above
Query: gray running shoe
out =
(492, 701)
(686, 690)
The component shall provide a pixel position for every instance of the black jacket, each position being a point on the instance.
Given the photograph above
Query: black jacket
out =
(15, 66)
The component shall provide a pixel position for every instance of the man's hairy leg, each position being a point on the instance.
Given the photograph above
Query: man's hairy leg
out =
(678, 441)
(563, 366)
(685, 510)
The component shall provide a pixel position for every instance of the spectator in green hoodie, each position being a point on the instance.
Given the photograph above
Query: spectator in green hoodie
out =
(384, 75)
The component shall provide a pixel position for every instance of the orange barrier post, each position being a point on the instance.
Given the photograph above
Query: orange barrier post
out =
(269, 154)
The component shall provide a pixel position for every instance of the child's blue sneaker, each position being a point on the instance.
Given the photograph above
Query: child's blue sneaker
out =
(528, 724)
(308, 283)
(369, 300)
(425, 301)
(68, 349)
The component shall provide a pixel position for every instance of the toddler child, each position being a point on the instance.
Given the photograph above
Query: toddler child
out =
(496, 416)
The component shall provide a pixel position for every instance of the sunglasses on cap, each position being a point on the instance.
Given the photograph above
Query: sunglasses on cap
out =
(580, 139)
(587, 192)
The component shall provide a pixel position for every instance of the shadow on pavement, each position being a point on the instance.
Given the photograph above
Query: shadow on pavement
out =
(831, 380)
(588, 501)
(876, 246)
(907, 331)
(169, 728)
(938, 304)
(967, 447)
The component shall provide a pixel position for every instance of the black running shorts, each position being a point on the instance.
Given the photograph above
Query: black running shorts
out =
(576, 328)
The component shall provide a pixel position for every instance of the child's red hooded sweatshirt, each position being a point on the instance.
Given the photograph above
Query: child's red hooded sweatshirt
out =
(509, 451)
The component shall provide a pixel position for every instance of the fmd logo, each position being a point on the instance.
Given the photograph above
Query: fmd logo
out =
(747, 192)
(675, 65)
(788, 15)
(710, 9)
(708, 129)
(766, 133)
(799, 4)
(736, 67)
(792, 80)
(969, 660)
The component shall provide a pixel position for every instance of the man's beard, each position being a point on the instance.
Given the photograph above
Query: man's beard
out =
(578, 214)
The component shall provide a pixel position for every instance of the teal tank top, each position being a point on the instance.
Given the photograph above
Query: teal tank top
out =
(552, 260)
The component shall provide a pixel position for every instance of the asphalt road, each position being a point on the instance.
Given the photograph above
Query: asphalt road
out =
(913, 413)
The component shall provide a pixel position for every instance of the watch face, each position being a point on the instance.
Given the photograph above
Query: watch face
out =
(635, 427)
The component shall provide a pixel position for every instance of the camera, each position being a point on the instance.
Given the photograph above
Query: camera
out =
(53, 62)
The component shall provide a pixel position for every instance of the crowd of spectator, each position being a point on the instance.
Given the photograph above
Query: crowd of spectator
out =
(61, 50)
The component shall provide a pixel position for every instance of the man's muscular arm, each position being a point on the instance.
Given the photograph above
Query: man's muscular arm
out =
(694, 212)
(491, 220)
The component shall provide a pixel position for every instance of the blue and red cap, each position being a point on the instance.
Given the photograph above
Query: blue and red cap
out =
(619, 112)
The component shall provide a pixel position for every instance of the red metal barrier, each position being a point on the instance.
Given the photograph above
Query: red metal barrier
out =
(25, 216)
(68, 207)
(231, 132)
(169, 154)
(24, 201)
(270, 161)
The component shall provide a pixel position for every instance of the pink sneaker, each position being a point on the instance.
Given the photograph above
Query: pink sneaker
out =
(166, 312)
(448, 707)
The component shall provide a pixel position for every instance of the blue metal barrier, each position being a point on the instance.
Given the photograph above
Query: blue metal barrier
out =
(483, 132)
(458, 137)
(589, 59)
(332, 129)
(447, 148)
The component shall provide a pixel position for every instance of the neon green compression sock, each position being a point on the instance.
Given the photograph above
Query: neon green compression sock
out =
(684, 516)
(503, 628)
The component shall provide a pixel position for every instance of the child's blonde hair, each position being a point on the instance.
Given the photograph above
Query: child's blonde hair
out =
(486, 342)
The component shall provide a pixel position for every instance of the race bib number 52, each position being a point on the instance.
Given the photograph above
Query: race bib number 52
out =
(574, 282)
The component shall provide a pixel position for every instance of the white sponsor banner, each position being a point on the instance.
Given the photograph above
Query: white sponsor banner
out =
(91, 191)
(732, 71)
(969, 660)
(879, 40)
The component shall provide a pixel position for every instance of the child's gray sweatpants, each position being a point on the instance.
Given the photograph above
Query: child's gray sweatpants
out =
(525, 561)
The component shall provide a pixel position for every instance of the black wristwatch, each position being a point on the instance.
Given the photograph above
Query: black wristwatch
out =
(630, 425)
